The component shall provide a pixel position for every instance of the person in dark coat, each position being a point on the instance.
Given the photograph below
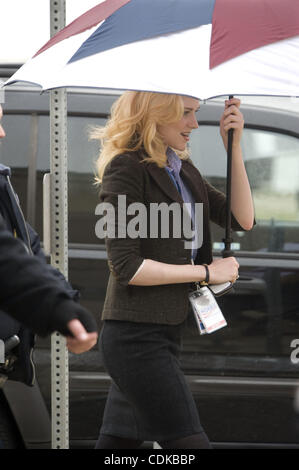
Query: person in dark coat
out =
(31, 283)
(34, 297)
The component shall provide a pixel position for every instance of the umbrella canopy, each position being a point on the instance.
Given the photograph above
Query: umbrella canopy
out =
(201, 48)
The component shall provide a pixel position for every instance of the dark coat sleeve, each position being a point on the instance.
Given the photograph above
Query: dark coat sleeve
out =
(32, 294)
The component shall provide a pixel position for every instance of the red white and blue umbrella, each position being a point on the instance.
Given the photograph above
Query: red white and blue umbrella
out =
(201, 48)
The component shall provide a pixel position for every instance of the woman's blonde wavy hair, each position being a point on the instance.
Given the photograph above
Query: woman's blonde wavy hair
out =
(133, 124)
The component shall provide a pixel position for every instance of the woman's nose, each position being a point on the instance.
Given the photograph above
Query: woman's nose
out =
(193, 122)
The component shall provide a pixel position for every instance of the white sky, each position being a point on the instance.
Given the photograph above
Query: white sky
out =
(25, 26)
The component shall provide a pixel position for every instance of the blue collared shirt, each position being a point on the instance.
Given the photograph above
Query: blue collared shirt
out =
(173, 169)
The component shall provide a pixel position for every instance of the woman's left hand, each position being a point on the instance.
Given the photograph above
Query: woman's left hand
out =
(232, 118)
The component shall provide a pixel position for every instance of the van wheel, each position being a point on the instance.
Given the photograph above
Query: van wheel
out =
(10, 437)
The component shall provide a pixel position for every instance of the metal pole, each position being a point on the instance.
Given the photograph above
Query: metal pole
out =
(59, 240)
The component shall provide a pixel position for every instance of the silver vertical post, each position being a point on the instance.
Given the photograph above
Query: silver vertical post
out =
(59, 240)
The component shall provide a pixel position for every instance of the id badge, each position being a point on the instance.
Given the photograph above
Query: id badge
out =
(208, 315)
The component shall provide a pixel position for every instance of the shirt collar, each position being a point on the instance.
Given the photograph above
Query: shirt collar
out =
(174, 161)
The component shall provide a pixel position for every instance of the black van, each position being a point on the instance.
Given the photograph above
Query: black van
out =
(245, 376)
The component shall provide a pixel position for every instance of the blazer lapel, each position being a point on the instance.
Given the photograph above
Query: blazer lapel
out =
(164, 181)
(190, 174)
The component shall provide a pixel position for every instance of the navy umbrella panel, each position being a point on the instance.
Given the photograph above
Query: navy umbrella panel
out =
(127, 25)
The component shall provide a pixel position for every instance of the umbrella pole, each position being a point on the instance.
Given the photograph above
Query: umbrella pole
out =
(228, 240)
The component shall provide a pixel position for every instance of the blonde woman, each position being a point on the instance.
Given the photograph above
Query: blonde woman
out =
(144, 159)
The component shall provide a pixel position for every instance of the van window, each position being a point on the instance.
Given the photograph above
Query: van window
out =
(272, 164)
(14, 149)
(83, 194)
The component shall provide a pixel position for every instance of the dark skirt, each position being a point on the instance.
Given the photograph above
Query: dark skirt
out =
(149, 398)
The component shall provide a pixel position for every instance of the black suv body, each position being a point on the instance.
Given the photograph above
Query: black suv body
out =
(244, 377)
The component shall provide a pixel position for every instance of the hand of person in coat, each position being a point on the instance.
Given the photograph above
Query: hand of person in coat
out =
(81, 341)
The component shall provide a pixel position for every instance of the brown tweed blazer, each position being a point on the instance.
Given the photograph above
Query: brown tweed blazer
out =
(147, 183)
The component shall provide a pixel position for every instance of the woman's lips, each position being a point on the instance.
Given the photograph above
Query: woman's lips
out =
(186, 136)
